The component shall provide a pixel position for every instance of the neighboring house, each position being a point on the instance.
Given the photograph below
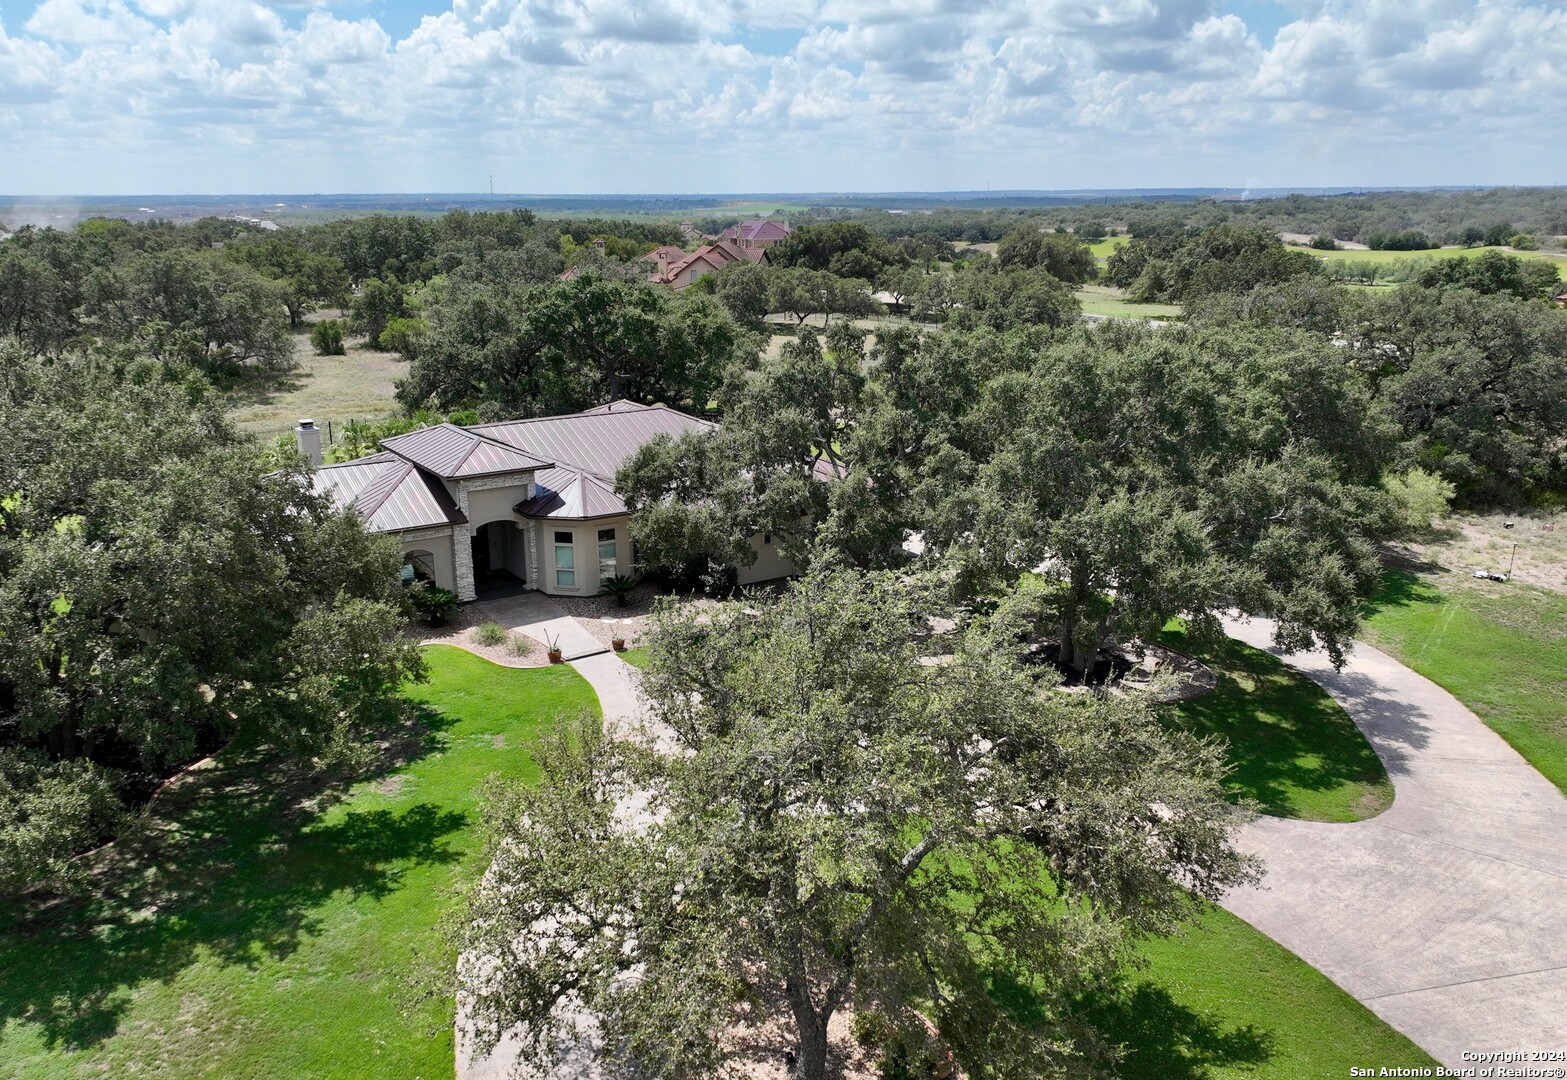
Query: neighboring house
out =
(704, 260)
(515, 504)
(756, 234)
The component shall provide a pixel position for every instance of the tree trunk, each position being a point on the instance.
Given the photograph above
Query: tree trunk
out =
(811, 1048)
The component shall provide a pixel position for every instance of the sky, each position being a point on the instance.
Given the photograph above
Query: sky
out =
(708, 96)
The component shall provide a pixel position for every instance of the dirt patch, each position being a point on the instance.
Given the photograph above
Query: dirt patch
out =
(1534, 547)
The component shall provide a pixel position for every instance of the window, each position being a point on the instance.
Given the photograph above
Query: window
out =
(607, 561)
(565, 561)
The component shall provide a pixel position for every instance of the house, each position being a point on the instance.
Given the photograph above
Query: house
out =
(519, 504)
(704, 260)
(756, 234)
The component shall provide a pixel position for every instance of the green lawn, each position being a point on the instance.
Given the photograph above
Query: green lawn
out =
(1225, 1001)
(1291, 747)
(1500, 648)
(1105, 300)
(635, 657)
(266, 927)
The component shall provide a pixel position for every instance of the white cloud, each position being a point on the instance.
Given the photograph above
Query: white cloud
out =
(593, 94)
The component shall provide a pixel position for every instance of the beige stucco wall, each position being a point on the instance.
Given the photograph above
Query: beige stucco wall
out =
(769, 563)
(440, 549)
(495, 504)
(585, 547)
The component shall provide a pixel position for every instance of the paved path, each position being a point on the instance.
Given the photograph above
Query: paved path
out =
(613, 680)
(544, 620)
(1447, 914)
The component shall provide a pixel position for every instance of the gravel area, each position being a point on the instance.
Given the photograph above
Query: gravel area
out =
(460, 630)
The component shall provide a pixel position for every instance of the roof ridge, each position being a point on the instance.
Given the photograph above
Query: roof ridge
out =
(381, 488)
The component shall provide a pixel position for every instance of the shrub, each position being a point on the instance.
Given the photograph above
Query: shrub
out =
(1323, 242)
(520, 645)
(491, 634)
(620, 587)
(49, 813)
(327, 337)
(1420, 497)
(431, 604)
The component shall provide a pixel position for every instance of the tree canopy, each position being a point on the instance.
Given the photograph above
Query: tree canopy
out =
(1155, 473)
(837, 825)
(518, 349)
(160, 594)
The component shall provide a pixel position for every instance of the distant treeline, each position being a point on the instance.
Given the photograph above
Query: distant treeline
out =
(1381, 219)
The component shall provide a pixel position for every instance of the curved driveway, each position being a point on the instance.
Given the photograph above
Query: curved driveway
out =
(1447, 914)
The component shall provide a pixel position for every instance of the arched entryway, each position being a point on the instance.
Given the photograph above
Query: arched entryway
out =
(500, 566)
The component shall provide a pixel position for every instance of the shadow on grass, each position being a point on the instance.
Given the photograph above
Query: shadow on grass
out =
(230, 864)
(1286, 737)
(1162, 1039)
(1155, 1036)
(1400, 588)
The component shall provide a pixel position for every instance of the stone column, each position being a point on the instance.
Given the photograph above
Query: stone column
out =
(462, 562)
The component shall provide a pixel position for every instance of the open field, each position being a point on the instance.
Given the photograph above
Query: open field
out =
(1500, 648)
(1384, 258)
(359, 386)
(1109, 301)
(1103, 249)
(1291, 748)
(261, 927)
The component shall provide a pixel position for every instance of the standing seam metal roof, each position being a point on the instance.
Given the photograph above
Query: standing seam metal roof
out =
(388, 493)
(453, 452)
(598, 441)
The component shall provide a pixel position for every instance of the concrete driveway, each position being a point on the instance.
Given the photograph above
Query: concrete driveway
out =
(1447, 914)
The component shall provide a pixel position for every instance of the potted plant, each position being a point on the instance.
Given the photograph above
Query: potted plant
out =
(554, 646)
(617, 639)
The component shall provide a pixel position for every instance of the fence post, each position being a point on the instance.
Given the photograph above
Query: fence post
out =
(329, 439)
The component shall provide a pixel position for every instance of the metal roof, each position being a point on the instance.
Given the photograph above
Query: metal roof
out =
(573, 460)
(598, 441)
(570, 493)
(452, 452)
(388, 493)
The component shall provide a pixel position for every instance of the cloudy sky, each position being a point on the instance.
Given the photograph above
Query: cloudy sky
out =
(224, 96)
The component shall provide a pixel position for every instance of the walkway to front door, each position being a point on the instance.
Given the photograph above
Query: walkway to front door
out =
(543, 620)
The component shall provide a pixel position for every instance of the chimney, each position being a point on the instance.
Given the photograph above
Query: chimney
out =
(309, 438)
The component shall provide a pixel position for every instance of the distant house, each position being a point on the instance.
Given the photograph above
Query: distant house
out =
(514, 504)
(704, 260)
(756, 234)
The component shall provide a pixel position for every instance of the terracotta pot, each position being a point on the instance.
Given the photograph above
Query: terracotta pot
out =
(555, 656)
(618, 644)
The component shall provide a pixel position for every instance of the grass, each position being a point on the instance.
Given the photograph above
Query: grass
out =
(359, 386)
(635, 657)
(1292, 749)
(1224, 1001)
(265, 927)
(1103, 249)
(1499, 648)
(1383, 258)
(1106, 300)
